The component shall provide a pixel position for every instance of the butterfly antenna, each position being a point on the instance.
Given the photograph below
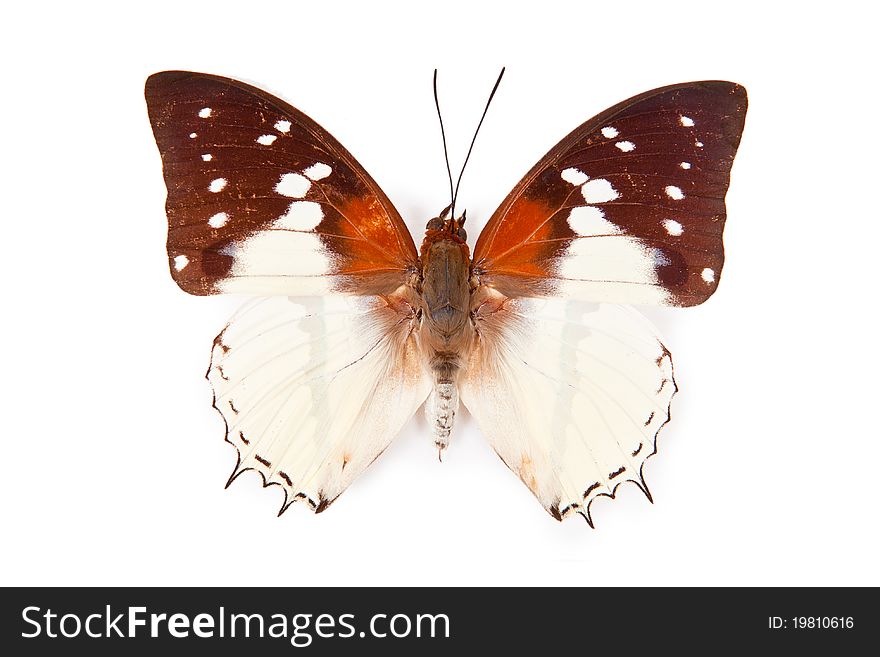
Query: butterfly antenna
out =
(445, 151)
(473, 141)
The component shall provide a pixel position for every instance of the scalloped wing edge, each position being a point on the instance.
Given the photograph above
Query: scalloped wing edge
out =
(289, 497)
(583, 509)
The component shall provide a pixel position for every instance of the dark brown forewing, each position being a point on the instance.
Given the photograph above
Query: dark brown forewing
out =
(262, 200)
(629, 207)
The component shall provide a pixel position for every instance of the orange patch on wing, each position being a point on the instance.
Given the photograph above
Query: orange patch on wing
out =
(373, 244)
(371, 220)
(525, 221)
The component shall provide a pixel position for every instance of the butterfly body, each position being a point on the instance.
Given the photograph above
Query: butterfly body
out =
(447, 330)
(353, 328)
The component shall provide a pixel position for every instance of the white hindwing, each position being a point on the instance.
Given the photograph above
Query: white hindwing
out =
(571, 396)
(313, 390)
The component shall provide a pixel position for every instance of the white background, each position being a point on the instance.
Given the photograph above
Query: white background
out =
(113, 459)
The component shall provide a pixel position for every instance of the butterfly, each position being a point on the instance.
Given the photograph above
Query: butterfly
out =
(354, 328)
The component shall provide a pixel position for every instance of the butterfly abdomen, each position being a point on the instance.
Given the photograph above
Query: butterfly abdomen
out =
(440, 409)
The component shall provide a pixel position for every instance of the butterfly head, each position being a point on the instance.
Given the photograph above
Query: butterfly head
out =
(445, 227)
(446, 231)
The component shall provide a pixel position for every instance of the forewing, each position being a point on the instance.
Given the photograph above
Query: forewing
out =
(570, 394)
(314, 389)
(262, 200)
(628, 208)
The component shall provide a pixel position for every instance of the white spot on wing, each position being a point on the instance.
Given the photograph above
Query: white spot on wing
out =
(686, 121)
(318, 171)
(685, 165)
(589, 221)
(674, 192)
(207, 157)
(609, 132)
(599, 191)
(217, 185)
(293, 185)
(626, 146)
(301, 215)
(673, 227)
(708, 275)
(698, 144)
(574, 176)
(282, 126)
(180, 262)
(218, 220)
(205, 112)
(266, 140)
(193, 135)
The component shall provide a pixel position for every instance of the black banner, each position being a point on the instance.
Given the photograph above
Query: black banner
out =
(433, 621)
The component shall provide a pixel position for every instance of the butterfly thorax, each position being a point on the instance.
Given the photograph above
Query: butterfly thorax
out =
(446, 331)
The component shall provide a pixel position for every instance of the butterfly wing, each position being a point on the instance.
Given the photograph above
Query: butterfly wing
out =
(262, 200)
(571, 396)
(314, 389)
(628, 208)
